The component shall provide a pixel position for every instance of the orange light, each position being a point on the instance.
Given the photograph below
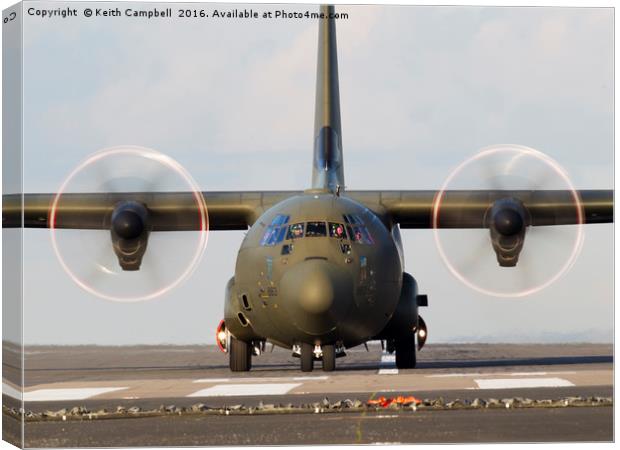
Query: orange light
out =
(221, 337)
(385, 402)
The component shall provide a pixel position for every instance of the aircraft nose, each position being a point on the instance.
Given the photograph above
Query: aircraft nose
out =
(316, 290)
(317, 294)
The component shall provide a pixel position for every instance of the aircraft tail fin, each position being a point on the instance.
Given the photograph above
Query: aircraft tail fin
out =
(328, 169)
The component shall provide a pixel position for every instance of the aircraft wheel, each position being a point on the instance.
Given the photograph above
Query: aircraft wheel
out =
(240, 355)
(307, 357)
(405, 353)
(329, 358)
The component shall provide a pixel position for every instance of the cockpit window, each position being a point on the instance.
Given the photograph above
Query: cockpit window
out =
(316, 229)
(357, 234)
(280, 220)
(353, 219)
(295, 231)
(351, 234)
(361, 235)
(357, 230)
(266, 236)
(337, 230)
(278, 236)
(279, 230)
(275, 232)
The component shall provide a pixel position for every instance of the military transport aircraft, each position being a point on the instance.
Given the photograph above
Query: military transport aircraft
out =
(321, 270)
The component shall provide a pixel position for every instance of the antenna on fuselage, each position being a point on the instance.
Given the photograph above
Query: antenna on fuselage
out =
(327, 171)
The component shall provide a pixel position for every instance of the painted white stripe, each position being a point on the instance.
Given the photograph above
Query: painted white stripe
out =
(228, 390)
(319, 378)
(450, 375)
(9, 390)
(259, 379)
(393, 371)
(387, 358)
(496, 374)
(525, 374)
(46, 395)
(510, 383)
(387, 366)
(213, 380)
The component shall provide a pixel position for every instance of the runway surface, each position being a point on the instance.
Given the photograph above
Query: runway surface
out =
(146, 377)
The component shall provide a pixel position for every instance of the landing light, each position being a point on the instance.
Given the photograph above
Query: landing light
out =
(318, 352)
(221, 337)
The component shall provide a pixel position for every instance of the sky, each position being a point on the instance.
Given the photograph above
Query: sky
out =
(422, 89)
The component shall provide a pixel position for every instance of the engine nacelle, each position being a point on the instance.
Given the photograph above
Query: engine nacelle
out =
(507, 220)
(129, 229)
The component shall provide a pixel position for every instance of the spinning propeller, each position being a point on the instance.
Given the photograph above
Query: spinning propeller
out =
(110, 259)
(511, 258)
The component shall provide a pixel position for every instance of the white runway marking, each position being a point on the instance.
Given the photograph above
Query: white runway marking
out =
(228, 390)
(510, 383)
(525, 374)
(260, 379)
(214, 380)
(45, 395)
(388, 364)
(495, 374)
(386, 358)
(450, 375)
(392, 371)
(320, 377)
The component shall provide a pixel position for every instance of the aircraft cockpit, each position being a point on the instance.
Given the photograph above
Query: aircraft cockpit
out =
(352, 228)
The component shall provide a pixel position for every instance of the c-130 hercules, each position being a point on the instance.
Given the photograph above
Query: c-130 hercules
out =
(321, 270)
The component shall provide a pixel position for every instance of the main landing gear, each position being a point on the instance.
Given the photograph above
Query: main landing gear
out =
(329, 358)
(405, 353)
(308, 353)
(240, 355)
(405, 346)
(307, 357)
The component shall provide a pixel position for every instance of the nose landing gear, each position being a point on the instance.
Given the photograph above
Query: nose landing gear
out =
(329, 358)
(308, 353)
(307, 357)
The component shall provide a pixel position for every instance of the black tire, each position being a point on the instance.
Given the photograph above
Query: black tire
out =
(240, 356)
(329, 358)
(307, 357)
(405, 353)
(250, 349)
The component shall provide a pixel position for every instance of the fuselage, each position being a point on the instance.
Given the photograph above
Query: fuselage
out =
(316, 268)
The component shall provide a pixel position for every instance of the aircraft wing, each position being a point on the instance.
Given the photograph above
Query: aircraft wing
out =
(470, 209)
(168, 211)
(178, 211)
